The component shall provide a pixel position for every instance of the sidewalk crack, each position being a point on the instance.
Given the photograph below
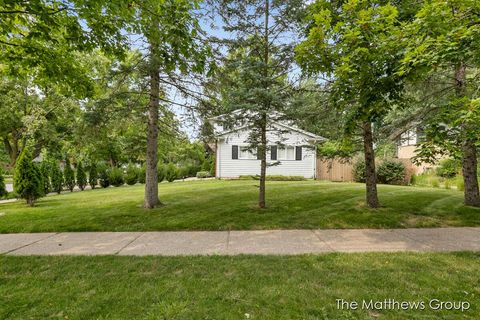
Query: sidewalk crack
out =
(129, 243)
(321, 240)
(29, 244)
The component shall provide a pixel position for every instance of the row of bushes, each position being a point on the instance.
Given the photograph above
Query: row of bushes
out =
(388, 172)
(34, 180)
(106, 176)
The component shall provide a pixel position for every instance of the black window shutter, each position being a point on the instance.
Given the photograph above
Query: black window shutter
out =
(234, 152)
(273, 153)
(259, 156)
(298, 153)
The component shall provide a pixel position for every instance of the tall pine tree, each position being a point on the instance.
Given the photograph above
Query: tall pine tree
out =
(258, 64)
(27, 181)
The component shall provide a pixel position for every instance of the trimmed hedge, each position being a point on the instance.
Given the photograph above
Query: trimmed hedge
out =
(391, 172)
(388, 172)
(115, 176)
(131, 177)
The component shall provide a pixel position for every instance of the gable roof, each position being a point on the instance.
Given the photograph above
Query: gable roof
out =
(279, 123)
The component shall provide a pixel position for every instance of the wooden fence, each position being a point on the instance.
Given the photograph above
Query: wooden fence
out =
(335, 170)
(341, 170)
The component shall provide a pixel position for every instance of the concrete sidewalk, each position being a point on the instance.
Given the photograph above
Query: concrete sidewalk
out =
(286, 242)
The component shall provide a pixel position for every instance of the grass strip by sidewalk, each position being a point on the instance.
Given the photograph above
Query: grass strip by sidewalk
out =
(220, 287)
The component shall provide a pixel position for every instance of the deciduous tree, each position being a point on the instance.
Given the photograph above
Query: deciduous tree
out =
(356, 46)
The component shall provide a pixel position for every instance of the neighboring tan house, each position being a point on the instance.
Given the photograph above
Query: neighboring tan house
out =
(291, 148)
(407, 143)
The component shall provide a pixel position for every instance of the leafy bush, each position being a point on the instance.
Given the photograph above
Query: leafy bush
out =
(448, 168)
(56, 176)
(161, 171)
(391, 172)
(203, 174)
(69, 175)
(132, 175)
(81, 176)
(142, 174)
(447, 184)
(28, 182)
(103, 176)
(183, 172)
(3, 187)
(209, 165)
(115, 176)
(93, 175)
(460, 184)
(435, 182)
(171, 173)
(413, 179)
(359, 171)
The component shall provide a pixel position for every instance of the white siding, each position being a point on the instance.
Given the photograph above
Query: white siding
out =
(232, 168)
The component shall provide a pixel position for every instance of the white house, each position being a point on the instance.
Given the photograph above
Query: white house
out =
(291, 148)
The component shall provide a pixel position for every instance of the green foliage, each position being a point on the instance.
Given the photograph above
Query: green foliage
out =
(93, 175)
(3, 188)
(28, 182)
(359, 171)
(448, 168)
(45, 170)
(103, 176)
(435, 182)
(460, 184)
(131, 176)
(142, 175)
(359, 46)
(183, 172)
(447, 184)
(336, 149)
(391, 172)
(171, 173)
(203, 174)
(161, 171)
(69, 175)
(81, 176)
(413, 179)
(56, 177)
(115, 176)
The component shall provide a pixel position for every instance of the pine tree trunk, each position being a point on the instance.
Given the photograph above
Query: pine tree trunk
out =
(263, 165)
(371, 178)
(469, 170)
(151, 180)
(469, 149)
(263, 139)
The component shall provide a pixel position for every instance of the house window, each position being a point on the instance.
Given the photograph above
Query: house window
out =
(286, 153)
(408, 138)
(245, 153)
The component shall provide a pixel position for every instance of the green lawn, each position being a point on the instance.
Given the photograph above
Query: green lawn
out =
(265, 287)
(223, 205)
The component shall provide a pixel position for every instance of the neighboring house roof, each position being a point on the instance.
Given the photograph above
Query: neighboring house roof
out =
(279, 123)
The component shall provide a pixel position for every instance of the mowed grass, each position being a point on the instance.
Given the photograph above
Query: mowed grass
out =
(225, 205)
(241, 287)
